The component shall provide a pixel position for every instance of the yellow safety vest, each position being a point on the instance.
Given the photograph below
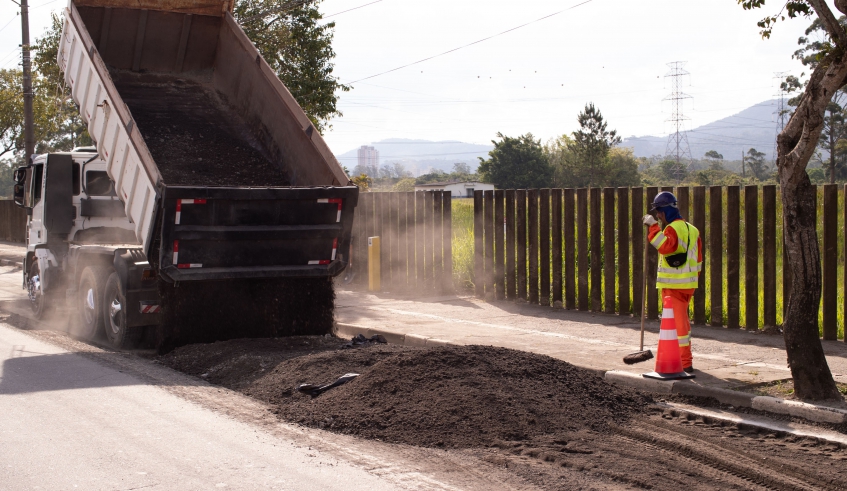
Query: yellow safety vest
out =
(685, 276)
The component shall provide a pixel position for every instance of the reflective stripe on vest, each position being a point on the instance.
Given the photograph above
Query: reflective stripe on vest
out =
(685, 276)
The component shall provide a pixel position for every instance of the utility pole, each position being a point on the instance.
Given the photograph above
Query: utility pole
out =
(743, 174)
(780, 111)
(29, 134)
(678, 141)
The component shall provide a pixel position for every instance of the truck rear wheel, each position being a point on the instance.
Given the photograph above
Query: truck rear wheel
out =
(90, 302)
(114, 314)
(37, 300)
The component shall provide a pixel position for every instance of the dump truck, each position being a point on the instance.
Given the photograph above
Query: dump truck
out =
(209, 198)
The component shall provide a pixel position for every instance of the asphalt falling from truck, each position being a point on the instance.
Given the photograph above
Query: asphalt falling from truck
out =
(195, 137)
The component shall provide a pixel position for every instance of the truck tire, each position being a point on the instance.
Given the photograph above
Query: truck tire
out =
(90, 302)
(37, 299)
(114, 304)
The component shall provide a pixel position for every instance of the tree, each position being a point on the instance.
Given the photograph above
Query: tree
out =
(714, 155)
(461, 168)
(589, 148)
(756, 162)
(518, 163)
(795, 146)
(299, 49)
(405, 184)
(715, 160)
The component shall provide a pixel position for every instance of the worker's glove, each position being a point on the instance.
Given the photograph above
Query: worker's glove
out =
(649, 220)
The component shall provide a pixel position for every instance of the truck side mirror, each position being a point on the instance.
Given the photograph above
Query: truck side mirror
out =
(20, 185)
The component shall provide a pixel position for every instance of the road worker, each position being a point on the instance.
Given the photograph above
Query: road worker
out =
(680, 261)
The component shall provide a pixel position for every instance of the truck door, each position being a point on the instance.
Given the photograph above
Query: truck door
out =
(35, 231)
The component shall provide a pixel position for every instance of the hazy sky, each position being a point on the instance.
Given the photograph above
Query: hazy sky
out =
(536, 78)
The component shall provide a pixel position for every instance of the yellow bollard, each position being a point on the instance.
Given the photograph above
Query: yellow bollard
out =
(373, 265)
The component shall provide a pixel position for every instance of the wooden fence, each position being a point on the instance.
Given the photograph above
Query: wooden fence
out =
(415, 231)
(583, 249)
(12, 222)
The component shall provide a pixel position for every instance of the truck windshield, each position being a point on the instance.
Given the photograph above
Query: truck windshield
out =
(97, 183)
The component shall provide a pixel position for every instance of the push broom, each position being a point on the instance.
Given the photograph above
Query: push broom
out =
(641, 355)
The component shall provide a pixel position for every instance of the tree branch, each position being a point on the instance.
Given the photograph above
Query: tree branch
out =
(833, 28)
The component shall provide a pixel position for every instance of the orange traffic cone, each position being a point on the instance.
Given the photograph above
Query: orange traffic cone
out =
(668, 361)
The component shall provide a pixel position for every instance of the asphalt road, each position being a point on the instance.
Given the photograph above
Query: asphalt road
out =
(73, 423)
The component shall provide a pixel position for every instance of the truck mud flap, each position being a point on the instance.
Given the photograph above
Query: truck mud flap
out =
(227, 233)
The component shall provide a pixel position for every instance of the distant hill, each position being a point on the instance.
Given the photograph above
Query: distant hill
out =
(422, 156)
(754, 127)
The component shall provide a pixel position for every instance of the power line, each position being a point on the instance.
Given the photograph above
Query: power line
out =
(473, 43)
(349, 10)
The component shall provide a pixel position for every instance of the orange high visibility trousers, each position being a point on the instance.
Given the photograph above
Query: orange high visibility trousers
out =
(680, 299)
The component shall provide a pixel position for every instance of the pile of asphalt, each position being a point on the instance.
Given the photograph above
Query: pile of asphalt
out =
(450, 396)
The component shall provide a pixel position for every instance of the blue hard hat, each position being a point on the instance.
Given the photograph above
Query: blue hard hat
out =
(665, 198)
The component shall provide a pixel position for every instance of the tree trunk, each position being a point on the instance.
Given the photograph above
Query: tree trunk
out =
(809, 369)
(795, 145)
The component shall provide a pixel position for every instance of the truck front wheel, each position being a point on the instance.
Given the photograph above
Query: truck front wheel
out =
(114, 314)
(35, 292)
(89, 303)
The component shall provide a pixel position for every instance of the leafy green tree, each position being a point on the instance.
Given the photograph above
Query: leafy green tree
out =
(298, 47)
(518, 163)
(795, 147)
(589, 148)
(715, 160)
(405, 184)
(756, 162)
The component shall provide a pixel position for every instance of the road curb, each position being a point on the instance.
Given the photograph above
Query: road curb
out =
(811, 412)
(9, 262)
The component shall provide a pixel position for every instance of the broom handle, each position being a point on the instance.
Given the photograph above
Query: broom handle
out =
(644, 291)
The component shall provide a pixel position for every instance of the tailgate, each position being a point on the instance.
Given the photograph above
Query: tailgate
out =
(223, 233)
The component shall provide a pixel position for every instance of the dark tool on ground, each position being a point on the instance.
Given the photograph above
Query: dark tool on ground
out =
(316, 390)
(360, 341)
(641, 355)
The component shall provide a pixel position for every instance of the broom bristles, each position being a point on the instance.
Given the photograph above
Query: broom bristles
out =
(638, 357)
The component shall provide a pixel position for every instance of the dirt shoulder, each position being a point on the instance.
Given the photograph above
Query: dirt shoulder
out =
(543, 420)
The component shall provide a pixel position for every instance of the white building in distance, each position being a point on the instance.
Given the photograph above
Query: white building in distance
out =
(458, 189)
(368, 157)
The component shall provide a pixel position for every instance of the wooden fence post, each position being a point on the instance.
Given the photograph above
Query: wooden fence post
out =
(751, 256)
(830, 262)
(437, 241)
(733, 242)
(520, 217)
(609, 250)
(479, 251)
(532, 196)
(368, 213)
(652, 267)
(400, 242)
(488, 239)
(769, 254)
(715, 235)
(557, 246)
(447, 242)
(570, 258)
(429, 231)
(623, 226)
(582, 247)
(596, 250)
(499, 246)
(698, 219)
(410, 240)
(682, 202)
(511, 285)
(637, 196)
(544, 245)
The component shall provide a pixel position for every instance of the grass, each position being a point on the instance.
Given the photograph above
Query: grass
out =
(463, 249)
